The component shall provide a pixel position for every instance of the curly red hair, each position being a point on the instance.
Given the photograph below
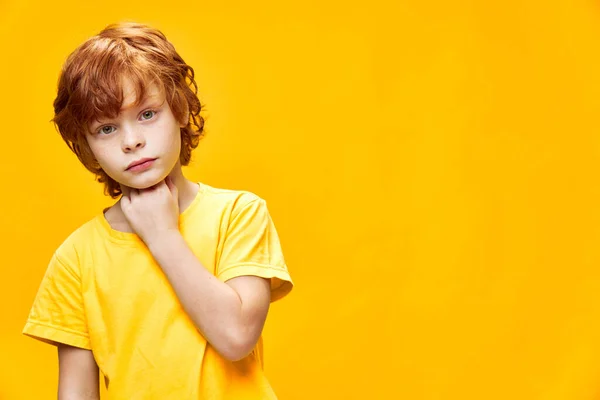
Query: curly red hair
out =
(90, 88)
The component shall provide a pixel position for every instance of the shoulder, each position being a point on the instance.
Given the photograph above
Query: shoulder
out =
(74, 245)
(232, 200)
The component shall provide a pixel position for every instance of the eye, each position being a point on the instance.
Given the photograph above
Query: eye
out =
(148, 114)
(106, 129)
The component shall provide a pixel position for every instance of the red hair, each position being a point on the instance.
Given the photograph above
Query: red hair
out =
(90, 88)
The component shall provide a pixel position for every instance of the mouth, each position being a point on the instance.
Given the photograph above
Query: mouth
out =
(141, 164)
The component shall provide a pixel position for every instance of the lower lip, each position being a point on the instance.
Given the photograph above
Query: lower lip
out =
(141, 167)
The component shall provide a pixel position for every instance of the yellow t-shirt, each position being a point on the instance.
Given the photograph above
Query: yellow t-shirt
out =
(104, 292)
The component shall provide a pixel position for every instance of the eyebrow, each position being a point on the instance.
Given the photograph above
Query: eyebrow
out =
(147, 99)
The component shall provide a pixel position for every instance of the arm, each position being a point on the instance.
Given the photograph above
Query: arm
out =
(230, 315)
(78, 377)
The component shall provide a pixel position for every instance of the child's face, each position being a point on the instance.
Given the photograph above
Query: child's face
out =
(149, 130)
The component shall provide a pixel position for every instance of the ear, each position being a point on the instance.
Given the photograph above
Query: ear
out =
(186, 120)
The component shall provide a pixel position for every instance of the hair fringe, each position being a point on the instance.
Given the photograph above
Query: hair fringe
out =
(90, 87)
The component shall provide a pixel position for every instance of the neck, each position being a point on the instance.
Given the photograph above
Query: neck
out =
(186, 189)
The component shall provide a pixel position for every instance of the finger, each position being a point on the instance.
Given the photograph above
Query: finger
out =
(125, 201)
(133, 194)
(149, 189)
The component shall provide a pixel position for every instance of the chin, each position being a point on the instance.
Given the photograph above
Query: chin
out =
(144, 180)
(145, 183)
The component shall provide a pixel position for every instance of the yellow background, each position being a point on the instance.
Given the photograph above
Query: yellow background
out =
(432, 168)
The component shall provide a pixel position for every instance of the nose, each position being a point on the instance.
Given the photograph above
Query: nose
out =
(132, 139)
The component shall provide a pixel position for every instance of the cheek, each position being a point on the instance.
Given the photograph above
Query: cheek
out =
(102, 154)
(175, 146)
(174, 138)
(93, 152)
(177, 137)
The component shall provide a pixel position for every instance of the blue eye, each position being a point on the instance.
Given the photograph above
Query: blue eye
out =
(148, 114)
(104, 131)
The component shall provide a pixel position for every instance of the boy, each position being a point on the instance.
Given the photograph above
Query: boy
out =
(166, 292)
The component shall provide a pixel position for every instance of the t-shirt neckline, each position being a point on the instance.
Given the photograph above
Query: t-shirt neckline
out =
(134, 238)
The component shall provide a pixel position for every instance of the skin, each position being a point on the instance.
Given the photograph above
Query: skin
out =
(78, 376)
(231, 314)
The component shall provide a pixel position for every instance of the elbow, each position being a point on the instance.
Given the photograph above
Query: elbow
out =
(237, 347)
(234, 356)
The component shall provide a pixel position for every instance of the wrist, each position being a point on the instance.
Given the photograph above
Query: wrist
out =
(163, 240)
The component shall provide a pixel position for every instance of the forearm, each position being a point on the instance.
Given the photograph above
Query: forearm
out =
(213, 306)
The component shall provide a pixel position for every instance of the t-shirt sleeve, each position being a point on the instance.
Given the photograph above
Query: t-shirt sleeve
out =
(251, 247)
(57, 314)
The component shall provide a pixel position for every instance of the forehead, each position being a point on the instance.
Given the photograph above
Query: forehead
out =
(126, 94)
(132, 96)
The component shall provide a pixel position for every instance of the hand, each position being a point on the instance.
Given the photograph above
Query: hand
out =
(151, 212)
